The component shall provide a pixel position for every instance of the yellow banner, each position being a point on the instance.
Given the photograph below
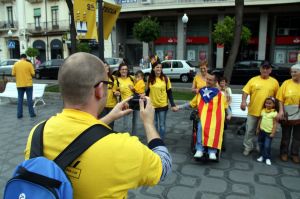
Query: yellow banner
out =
(110, 15)
(85, 19)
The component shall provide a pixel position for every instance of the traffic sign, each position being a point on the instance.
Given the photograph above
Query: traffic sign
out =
(11, 44)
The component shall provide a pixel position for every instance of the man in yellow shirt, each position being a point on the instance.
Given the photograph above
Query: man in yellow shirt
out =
(117, 162)
(24, 71)
(258, 88)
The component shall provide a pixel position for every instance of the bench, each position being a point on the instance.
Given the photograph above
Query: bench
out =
(37, 94)
(236, 104)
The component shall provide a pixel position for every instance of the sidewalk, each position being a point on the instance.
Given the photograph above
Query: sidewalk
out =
(234, 177)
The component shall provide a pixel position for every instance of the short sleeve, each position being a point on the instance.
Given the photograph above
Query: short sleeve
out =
(280, 93)
(247, 87)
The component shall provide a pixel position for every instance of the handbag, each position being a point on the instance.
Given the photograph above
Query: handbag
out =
(291, 115)
(3, 83)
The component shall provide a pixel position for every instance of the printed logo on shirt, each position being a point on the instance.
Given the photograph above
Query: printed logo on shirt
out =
(73, 172)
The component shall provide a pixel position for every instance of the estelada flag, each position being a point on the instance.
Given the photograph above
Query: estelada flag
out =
(211, 110)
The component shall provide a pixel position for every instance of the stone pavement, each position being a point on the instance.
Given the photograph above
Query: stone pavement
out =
(234, 177)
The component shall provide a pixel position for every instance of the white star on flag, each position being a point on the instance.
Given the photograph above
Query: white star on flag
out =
(206, 93)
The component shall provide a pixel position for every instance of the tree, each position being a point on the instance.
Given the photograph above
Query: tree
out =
(230, 32)
(147, 30)
(32, 52)
(73, 32)
(83, 47)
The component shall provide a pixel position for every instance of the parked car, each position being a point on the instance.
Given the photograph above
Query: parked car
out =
(245, 70)
(6, 66)
(49, 69)
(113, 63)
(176, 69)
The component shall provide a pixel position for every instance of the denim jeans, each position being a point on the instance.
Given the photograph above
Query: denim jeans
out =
(21, 91)
(160, 122)
(199, 146)
(264, 142)
(105, 111)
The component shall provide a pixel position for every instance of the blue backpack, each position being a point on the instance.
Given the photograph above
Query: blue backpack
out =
(39, 177)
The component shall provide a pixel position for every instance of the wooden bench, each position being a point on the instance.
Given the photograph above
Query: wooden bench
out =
(37, 94)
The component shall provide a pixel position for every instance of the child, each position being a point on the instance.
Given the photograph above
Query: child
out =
(139, 86)
(266, 129)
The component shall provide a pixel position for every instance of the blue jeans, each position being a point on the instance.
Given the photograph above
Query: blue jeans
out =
(160, 122)
(21, 91)
(199, 146)
(264, 142)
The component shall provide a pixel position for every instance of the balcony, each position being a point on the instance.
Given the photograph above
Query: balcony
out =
(59, 26)
(35, 1)
(6, 25)
(7, 1)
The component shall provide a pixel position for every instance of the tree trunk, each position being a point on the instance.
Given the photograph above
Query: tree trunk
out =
(239, 10)
(72, 27)
(150, 48)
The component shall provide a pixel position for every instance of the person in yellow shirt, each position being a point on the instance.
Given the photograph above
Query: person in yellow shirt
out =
(258, 88)
(289, 98)
(116, 163)
(111, 100)
(160, 92)
(200, 78)
(24, 71)
(124, 84)
(139, 86)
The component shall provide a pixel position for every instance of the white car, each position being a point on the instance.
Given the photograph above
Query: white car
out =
(176, 69)
(6, 66)
(113, 64)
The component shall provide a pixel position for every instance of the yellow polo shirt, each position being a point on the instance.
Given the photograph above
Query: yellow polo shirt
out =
(24, 71)
(158, 92)
(124, 87)
(259, 89)
(289, 93)
(110, 167)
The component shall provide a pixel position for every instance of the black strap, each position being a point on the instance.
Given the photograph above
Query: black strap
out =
(73, 150)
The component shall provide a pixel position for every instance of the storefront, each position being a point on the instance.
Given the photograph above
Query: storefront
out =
(41, 46)
(56, 49)
(286, 50)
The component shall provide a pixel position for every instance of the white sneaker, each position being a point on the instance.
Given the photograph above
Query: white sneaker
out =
(260, 159)
(268, 162)
(198, 154)
(212, 156)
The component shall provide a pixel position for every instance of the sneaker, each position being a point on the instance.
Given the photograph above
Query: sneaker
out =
(260, 159)
(268, 162)
(198, 154)
(212, 156)
(246, 152)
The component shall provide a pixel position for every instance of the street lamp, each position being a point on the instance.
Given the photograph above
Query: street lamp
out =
(10, 33)
(184, 19)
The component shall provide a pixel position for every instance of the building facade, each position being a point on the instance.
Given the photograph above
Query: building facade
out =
(274, 25)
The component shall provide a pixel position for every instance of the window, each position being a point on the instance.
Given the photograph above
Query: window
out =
(10, 17)
(54, 14)
(166, 65)
(177, 64)
(37, 18)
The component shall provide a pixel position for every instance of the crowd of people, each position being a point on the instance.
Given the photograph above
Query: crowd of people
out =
(101, 98)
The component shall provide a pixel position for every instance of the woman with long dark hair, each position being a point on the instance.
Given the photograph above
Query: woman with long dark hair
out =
(159, 90)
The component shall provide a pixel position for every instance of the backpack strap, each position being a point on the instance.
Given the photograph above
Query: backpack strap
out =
(73, 150)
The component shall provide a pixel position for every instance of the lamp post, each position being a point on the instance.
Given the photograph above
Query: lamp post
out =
(10, 33)
(184, 19)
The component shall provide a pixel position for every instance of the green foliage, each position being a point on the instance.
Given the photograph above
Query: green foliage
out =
(146, 30)
(32, 52)
(224, 32)
(83, 47)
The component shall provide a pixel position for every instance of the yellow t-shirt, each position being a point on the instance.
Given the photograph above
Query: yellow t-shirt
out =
(24, 71)
(110, 167)
(158, 92)
(124, 87)
(259, 89)
(111, 99)
(198, 82)
(266, 123)
(139, 87)
(289, 93)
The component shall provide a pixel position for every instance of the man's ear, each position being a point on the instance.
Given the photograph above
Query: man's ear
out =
(99, 91)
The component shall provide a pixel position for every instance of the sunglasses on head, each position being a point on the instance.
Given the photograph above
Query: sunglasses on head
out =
(104, 82)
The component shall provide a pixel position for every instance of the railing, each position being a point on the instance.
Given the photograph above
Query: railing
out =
(34, 1)
(6, 25)
(62, 25)
(6, 1)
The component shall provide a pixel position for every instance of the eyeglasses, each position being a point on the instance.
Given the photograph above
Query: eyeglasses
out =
(104, 82)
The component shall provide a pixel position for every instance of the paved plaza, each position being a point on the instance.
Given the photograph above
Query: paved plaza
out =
(234, 177)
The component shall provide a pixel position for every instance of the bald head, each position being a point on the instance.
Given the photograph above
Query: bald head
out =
(78, 75)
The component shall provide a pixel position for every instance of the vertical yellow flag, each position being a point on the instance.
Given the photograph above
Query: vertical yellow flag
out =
(85, 19)
(110, 15)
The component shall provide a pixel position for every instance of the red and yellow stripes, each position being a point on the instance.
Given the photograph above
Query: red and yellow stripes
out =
(212, 116)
